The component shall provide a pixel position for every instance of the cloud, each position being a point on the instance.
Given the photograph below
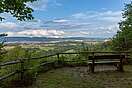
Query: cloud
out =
(95, 24)
(83, 24)
(39, 4)
(106, 15)
(42, 5)
(60, 21)
(8, 25)
(84, 33)
(37, 33)
(89, 23)
(79, 15)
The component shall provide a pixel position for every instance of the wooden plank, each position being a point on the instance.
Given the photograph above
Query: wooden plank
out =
(70, 53)
(106, 57)
(8, 75)
(112, 52)
(104, 62)
(93, 64)
(121, 64)
(47, 63)
(10, 63)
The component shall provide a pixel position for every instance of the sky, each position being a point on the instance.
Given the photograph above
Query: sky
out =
(68, 18)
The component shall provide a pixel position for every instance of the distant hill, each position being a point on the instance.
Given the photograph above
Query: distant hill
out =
(48, 40)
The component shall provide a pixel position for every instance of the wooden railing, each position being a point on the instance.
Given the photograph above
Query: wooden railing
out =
(21, 61)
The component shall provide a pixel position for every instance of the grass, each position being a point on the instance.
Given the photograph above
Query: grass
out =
(79, 77)
(46, 48)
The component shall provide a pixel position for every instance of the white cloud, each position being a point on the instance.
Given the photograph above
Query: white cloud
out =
(79, 15)
(8, 25)
(55, 3)
(83, 24)
(84, 33)
(90, 23)
(37, 33)
(105, 15)
(39, 4)
(60, 21)
(42, 5)
(99, 24)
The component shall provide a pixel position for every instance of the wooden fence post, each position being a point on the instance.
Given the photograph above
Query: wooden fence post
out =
(121, 63)
(59, 61)
(58, 57)
(22, 68)
(93, 63)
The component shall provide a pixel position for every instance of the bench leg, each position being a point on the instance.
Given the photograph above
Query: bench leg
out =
(121, 65)
(121, 68)
(91, 68)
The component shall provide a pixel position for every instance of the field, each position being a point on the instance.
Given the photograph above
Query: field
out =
(79, 77)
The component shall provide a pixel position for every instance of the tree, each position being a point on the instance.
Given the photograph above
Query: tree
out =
(17, 8)
(123, 38)
(2, 51)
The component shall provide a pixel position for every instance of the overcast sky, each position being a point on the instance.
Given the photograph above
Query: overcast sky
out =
(68, 18)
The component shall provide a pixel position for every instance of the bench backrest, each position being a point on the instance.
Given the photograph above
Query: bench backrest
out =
(97, 57)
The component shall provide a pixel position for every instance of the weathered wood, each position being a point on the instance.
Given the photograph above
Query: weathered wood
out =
(22, 69)
(58, 56)
(104, 62)
(47, 63)
(10, 63)
(121, 63)
(93, 63)
(71, 53)
(117, 56)
(8, 75)
(106, 59)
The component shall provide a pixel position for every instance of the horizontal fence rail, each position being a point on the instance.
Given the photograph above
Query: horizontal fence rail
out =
(93, 52)
(10, 63)
(9, 75)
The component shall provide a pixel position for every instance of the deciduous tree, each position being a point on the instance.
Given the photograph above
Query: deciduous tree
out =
(123, 38)
(17, 8)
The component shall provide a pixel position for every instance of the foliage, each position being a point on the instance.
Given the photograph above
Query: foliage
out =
(20, 53)
(2, 46)
(123, 38)
(104, 46)
(17, 8)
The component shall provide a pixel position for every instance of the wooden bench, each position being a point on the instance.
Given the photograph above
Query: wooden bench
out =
(113, 59)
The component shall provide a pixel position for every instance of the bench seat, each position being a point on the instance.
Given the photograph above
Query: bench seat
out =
(104, 62)
(115, 59)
